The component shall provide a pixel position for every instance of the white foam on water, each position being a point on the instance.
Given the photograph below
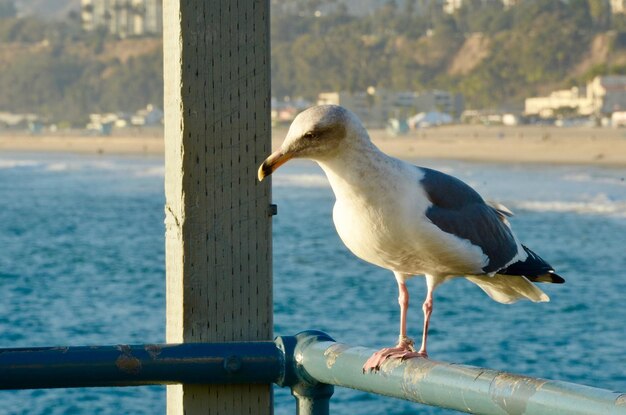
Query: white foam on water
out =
(99, 165)
(12, 164)
(104, 165)
(61, 166)
(588, 178)
(57, 167)
(601, 204)
(158, 171)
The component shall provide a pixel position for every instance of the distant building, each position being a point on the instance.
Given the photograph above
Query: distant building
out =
(102, 123)
(510, 3)
(437, 100)
(9, 120)
(148, 116)
(602, 96)
(607, 93)
(284, 111)
(490, 117)
(618, 6)
(123, 17)
(574, 99)
(618, 119)
(429, 119)
(376, 106)
(372, 108)
(451, 6)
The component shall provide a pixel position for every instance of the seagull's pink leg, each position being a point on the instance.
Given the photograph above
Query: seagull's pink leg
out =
(404, 349)
(427, 307)
(403, 301)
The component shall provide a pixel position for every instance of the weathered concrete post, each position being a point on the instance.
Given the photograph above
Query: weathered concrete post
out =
(218, 232)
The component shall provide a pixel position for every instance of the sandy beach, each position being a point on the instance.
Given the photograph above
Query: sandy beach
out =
(525, 144)
(146, 142)
(522, 144)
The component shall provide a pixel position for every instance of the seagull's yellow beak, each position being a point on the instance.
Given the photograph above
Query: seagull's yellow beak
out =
(274, 161)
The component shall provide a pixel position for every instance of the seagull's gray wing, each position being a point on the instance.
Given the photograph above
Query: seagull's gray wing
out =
(458, 209)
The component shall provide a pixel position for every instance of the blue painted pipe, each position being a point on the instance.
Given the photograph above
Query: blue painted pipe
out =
(123, 365)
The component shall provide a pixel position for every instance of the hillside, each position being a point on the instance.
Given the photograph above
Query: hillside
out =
(607, 51)
(475, 49)
(495, 57)
(62, 75)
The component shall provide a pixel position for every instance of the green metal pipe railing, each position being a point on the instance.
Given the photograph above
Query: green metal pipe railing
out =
(310, 363)
(447, 385)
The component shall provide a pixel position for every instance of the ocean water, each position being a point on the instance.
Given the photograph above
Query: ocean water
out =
(82, 262)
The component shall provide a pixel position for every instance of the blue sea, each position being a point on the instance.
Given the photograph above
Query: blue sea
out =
(82, 263)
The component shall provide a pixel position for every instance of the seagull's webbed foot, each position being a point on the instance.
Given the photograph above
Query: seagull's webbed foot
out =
(403, 350)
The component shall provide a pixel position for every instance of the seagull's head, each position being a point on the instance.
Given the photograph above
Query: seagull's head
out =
(317, 133)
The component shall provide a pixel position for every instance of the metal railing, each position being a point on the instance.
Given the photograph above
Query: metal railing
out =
(310, 363)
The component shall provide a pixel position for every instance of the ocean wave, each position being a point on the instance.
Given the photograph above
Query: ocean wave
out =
(158, 171)
(600, 205)
(103, 165)
(12, 164)
(588, 178)
(301, 180)
(57, 167)
(61, 166)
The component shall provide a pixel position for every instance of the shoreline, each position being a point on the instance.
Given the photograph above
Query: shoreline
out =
(136, 144)
(521, 144)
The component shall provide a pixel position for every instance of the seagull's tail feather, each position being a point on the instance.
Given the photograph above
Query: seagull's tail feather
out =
(515, 282)
(535, 268)
(507, 289)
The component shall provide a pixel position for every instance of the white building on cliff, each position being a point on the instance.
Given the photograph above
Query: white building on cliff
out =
(602, 96)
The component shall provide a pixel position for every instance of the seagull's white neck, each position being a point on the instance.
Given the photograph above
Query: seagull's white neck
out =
(359, 169)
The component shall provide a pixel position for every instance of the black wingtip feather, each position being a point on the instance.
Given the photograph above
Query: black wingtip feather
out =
(534, 268)
(549, 277)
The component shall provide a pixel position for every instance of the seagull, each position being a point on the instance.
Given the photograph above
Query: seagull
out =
(411, 220)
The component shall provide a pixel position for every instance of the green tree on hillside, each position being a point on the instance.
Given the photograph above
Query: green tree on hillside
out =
(39, 83)
(133, 85)
(600, 11)
(541, 46)
(63, 73)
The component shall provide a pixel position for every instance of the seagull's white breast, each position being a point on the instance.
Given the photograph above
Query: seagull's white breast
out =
(380, 216)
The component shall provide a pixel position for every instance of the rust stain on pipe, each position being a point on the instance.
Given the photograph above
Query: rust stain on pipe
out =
(332, 353)
(126, 362)
(512, 392)
(154, 350)
(415, 371)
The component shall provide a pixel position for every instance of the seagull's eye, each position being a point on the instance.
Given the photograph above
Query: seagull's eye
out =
(309, 135)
